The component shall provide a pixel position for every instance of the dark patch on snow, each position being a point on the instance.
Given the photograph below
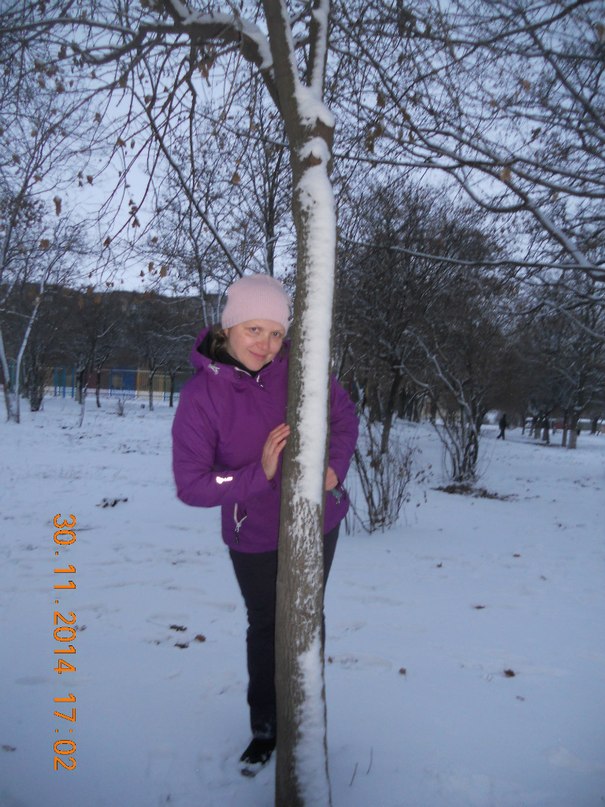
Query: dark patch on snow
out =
(178, 627)
(509, 673)
(110, 502)
(466, 489)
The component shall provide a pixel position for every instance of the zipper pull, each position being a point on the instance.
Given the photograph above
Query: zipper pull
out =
(238, 521)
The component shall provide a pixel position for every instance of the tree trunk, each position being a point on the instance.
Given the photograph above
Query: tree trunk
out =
(564, 430)
(82, 401)
(573, 432)
(302, 776)
(81, 384)
(389, 415)
(150, 378)
(301, 767)
(172, 388)
(10, 398)
(36, 392)
(302, 772)
(11, 394)
(12, 404)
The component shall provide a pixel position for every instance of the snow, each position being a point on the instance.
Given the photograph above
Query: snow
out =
(314, 782)
(422, 623)
(247, 27)
(311, 108)
(316, 199)
(320, 14)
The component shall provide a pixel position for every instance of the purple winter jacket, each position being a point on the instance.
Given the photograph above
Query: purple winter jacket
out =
(221, 424)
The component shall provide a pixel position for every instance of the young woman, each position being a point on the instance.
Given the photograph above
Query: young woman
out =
(228, 436)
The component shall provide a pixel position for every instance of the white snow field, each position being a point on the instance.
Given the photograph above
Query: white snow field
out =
(465, 648)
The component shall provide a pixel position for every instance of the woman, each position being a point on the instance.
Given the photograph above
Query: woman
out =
(229, 433)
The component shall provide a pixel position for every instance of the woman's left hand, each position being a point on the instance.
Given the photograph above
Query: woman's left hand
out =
(331, 479)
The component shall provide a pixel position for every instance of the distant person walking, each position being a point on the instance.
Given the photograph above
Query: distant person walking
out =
(503, 424)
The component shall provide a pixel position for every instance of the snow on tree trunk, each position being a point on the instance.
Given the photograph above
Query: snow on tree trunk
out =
(12, 404)
(302, 775)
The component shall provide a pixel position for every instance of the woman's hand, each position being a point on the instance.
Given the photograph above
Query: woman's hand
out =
(275, 444)
(331, 479)
(273, 447)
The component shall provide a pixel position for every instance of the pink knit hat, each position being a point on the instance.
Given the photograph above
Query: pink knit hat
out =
(256, 297)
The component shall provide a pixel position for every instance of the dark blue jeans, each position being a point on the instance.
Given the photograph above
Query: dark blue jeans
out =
(256, 575)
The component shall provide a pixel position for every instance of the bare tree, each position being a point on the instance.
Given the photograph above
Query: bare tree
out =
(40, 243)
(45, 256)
(92, 335)
(564, 338)
(417, 328)
(151, 54)
(505, 102)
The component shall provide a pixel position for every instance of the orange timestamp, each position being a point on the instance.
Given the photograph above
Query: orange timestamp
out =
(64, 633)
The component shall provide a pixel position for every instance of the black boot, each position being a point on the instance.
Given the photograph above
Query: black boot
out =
(256, 755)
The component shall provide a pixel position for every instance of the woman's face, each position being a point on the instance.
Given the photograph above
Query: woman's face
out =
(255, 342)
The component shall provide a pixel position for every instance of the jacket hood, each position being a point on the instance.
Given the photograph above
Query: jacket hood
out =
(200, 358)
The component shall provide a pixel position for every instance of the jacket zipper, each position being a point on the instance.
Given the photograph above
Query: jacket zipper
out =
(238, 522)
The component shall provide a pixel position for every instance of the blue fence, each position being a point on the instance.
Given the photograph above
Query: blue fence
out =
(119, 383)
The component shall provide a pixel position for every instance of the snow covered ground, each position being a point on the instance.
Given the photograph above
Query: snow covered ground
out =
(466, 647)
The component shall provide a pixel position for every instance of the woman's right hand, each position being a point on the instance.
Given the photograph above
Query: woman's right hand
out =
(273, 447)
